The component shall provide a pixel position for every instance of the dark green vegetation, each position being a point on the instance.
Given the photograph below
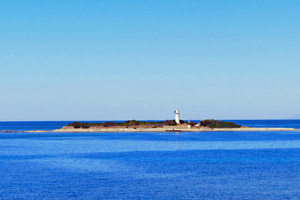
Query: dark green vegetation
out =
(80, 125)
(211, 123)
(129, 123)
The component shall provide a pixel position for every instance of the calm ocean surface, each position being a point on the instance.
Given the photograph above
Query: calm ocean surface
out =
(212, 165)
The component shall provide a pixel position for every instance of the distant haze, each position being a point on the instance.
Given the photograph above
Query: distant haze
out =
(295, 116)
(118, 60)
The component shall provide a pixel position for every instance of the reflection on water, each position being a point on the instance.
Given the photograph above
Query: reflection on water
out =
(225, 165)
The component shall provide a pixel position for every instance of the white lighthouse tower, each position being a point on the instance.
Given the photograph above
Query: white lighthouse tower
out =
(177, 119)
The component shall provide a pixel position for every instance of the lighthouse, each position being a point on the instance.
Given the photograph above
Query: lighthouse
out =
(177, 119)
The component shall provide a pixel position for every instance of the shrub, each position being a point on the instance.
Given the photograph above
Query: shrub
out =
(80, 125)
(170, 123)
(182, 122)
(85, 125)
(108, 124)
(191, 123)
(76, 125)
(218, 124)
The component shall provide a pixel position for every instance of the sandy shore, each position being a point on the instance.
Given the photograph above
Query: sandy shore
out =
(164, 129)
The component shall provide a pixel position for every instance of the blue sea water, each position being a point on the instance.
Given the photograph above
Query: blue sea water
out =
(207, 165)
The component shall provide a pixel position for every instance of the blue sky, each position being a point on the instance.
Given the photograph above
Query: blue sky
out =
(115, 60)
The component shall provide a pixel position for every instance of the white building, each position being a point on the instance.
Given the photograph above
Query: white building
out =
(177, 118)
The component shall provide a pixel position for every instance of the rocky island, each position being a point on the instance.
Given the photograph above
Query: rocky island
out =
(161, 126)
(176, 125)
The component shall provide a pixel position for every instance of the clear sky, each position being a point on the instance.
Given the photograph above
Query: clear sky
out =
(126, 59)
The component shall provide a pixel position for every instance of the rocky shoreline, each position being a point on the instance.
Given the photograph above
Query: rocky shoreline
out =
(164, 129)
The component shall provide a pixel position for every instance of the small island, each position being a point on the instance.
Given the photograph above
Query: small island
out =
(176, 125)
(134, 124)
(148, 126)
(161, 126)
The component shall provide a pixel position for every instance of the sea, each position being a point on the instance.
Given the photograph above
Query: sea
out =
(185, 165)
